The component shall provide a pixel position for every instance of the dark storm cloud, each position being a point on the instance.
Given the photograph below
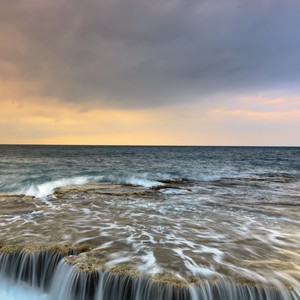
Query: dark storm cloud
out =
(135, 53)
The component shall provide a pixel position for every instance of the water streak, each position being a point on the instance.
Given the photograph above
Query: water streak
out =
(62, 281)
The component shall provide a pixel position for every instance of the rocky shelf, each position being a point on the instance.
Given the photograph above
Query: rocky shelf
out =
(111, 241)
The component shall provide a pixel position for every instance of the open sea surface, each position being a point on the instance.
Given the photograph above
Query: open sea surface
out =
(37, 170)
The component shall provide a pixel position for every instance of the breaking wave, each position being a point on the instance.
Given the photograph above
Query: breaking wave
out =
(42, 190)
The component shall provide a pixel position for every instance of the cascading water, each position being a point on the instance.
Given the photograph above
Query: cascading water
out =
(61, 281)
(71, 284)
(34, 269)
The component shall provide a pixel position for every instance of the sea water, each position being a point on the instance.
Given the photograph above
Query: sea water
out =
(37, 170)
(232, 194)
(13, 291)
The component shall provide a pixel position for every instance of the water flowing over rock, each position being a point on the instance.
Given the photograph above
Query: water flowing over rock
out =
(49, 271)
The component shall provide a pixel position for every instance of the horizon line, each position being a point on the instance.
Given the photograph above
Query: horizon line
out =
(150, 145)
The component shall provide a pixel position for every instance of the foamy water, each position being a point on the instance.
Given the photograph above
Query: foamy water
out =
(44, 189)
(11, 291)
(194, 233)
(47, 188)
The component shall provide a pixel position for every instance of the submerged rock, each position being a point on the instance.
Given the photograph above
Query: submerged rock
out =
(112, 241)
(16, 204)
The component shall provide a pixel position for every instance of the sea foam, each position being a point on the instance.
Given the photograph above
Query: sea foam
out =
(10, 291)
(44, 189)
(47, 188)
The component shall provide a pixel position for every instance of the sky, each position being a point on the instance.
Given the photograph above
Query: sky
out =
(150, 72)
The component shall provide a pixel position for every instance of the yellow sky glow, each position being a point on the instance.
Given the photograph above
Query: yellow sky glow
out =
(49, 121)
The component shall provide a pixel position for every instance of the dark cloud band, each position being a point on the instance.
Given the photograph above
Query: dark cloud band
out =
(136, 53)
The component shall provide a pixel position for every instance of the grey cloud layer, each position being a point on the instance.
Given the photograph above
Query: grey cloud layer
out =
(137, 53)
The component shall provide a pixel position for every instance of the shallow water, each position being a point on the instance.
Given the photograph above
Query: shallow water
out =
(185, 234)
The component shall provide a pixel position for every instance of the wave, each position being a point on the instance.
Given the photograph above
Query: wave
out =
(44, 189)
(147, 183)
(35, 187)
(47, 188)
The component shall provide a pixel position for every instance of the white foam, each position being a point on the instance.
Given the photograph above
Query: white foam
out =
(170, 191)
(44, 189)
(192, 266)
(218, 254)
(149, 264)
(141, 182)
(10, 291)
(118, 258)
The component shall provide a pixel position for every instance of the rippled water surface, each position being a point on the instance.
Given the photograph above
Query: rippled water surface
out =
(39, 169)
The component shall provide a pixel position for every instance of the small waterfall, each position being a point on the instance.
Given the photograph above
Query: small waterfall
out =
(114, 287)
(35, 269)
(48, 271)
(104, 285)
(68, 283)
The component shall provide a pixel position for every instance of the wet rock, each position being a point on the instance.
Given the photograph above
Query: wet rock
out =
(17, 204)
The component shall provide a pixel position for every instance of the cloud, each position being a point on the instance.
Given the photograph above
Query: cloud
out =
(137, 54)
(240, 121)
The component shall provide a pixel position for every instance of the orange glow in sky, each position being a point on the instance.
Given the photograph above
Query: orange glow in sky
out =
(128, 72)
(243, 122)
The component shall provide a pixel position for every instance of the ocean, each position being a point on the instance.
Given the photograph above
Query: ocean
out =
(228, 214)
